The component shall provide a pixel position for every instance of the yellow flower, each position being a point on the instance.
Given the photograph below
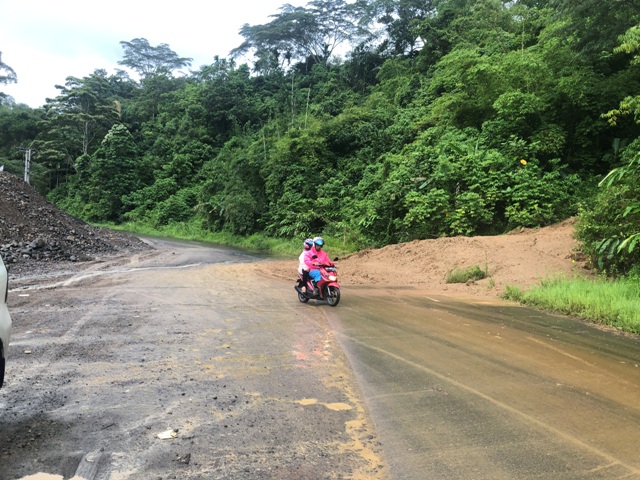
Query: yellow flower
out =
(523, 161)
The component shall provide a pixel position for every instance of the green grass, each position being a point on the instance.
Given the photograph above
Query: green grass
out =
(608, 302)
(257, 242)
(464, 275)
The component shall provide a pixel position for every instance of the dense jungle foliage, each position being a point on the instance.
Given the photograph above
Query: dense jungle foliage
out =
(439, 117)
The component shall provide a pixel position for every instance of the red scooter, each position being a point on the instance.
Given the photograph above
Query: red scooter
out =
(327, 288)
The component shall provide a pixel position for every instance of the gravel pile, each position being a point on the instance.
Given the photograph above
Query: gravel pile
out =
(37, 236)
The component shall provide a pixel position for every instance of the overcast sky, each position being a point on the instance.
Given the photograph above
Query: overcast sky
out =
(45, 41)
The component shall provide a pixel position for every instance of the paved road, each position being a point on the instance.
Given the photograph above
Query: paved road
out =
(463, 391)
(252, 382)
(389, 384)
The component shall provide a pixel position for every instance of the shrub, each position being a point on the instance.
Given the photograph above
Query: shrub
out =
(601, 228)
(464, 275)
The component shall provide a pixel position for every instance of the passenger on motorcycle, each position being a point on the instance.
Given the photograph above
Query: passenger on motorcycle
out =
(315, 257)
(303, 269)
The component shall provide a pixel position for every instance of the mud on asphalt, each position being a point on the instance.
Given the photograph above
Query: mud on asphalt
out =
(107, 358)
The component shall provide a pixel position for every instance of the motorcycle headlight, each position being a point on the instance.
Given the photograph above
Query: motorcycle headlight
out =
(333, 278)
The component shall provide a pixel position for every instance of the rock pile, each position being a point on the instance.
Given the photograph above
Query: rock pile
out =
(34, 231)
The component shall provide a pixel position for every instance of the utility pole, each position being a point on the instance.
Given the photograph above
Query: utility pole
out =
(27, 164)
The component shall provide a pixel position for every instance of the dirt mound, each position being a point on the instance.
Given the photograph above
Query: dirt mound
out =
(35, 234)
(520, 258)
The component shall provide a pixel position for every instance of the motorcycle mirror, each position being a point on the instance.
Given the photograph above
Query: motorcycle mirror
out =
(315, 256)
(336, 259)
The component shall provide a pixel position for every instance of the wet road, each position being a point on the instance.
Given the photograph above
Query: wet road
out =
(481, 391)
(186, 365)
(261, 386)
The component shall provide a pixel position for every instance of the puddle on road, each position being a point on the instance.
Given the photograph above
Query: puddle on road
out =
(336, 407)
(46, 476)
(76, 277)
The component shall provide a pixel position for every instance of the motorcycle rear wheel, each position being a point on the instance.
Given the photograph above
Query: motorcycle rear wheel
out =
(302, 297)
(333, 296)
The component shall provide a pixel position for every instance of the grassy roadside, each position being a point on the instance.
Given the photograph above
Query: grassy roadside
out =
(615, 303)
(257, 242)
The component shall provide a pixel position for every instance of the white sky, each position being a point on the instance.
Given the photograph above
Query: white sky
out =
(45, 41)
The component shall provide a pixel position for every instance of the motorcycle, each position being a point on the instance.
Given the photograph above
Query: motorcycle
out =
(327, 288)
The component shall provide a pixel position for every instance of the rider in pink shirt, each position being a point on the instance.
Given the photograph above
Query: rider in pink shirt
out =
(316, 256)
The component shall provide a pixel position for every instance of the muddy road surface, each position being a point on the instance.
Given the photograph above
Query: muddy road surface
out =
(202, 346)
(177, 364)
(489, 390)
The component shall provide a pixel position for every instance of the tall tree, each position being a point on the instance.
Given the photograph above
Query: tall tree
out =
(7, 75)
(300, 33)
(610, 228)
(594, 26)
(82, 113)
(403, 21)
(148, 60)
(18, 129)
(111, 174)
(229, 101)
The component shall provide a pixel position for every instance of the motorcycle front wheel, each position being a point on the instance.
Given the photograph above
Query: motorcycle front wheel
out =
(333, 296)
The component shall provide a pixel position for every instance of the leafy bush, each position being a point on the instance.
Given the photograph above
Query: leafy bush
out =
(176, 208)
(609, 226)
(145, 200)
(540, 198)
(426, 213)
(470, 212)
(601, 228)
(240, 211)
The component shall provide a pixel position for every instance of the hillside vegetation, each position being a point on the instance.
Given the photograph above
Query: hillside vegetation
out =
(443, 118)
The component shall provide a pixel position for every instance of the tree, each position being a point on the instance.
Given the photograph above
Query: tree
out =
(7, 75)
(232, 196)
(593, 25)
(228, 99)
(83, 112)
(300, 33)
(150, 61)
(18, 129)
(403, 21)
(112, 173)
(610, 229)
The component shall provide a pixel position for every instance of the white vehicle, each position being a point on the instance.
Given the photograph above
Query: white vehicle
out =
(5, 320)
